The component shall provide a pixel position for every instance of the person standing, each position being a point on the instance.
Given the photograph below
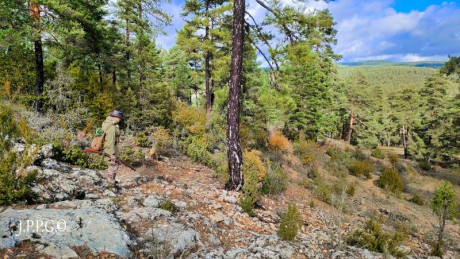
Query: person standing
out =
(112, 133)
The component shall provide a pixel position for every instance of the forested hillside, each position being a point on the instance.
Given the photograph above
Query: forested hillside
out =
(306, 123)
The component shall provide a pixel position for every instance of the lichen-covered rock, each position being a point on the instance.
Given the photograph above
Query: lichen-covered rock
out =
(64, 228)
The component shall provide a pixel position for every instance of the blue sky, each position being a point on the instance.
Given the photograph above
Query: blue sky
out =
(394, 30)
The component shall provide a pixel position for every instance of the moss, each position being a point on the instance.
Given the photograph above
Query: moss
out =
(167, 205)
(290, 223)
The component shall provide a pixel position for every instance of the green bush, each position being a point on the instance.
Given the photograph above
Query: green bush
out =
(436, 250)
(373, 238)
(424, 165)
(391, 180)
(364, 167)
(393, 158)
(290, 223)
(197, 149)
(351, 190)
(142, 140)
(377, 153)
(323, 192)
(358, 154)
(76, 156)
(416, 199)
(276, 181)
(14, 187)
(332, 152)
(250, 192)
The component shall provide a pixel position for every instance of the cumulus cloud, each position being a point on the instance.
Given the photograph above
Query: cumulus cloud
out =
(374, 30)
(371, 29)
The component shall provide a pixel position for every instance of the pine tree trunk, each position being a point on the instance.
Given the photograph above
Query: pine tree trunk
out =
(34, 11)
(234, 153)
(404, 140)
(341, 131)
(207, 69)
(350, 128)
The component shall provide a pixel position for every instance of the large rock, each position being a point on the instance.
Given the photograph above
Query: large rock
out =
(59, 229)
(58, 181)
(176, 239)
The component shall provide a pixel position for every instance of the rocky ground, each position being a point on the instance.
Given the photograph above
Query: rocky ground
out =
(178, 209)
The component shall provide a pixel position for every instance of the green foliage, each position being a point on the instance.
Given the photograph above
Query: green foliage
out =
(290, 223)
(251, 191)
(142, 140)
(444, 202)
(373, 238)
(197, 150)
(365, 167)
(76, 156)
(377, 153)
(393, 158)
(417, 199)
(14, 186)
(323, 192)
(424, 165)
(276, 180)
(436, 250)
(351, 190)
(390, 180)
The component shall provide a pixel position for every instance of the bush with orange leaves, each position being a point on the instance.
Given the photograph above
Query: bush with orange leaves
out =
(278, 141)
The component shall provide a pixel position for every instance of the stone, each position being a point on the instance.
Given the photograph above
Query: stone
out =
(152, 201)
(178, 238)
(65, 228)
(59, 252)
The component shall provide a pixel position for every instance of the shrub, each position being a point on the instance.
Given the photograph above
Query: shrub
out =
(253, 164)
(76, 156)
(416, 199)
(332, 152)
(142, 140)
(312, 204)
(127, 155)
(97, 162)
(393, 158)
(161, 140)
(377, 153)
(306, 150)
(424, 165)
(358, 154)
(276, 181)
(373, 238)
(323, 192)
(278, 141)
(391, 180)
(13, 186)
(364, 167)
(290, 223)
(436, 250)
(351, 189)
(197, 150)
(250, 192)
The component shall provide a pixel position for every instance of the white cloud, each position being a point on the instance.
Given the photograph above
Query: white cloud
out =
(371, 29)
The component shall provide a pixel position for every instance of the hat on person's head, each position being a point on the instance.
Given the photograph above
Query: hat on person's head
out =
(116, 113)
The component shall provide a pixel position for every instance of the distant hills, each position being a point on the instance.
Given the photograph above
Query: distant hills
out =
(428, 64)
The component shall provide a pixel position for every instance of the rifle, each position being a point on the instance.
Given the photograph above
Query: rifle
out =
(90, 150)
